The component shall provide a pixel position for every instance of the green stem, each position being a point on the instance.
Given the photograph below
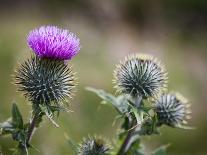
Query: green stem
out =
(127, 142)
(33, 124)
(129, 138)
(21, 149)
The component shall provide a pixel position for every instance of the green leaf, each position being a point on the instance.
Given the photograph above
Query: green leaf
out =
(162, 150)
(123, 104)
(58, 108)
(6, 127)
(17, 120)
(48, 113)
(148, 128)
(120, 102)
(185, 127)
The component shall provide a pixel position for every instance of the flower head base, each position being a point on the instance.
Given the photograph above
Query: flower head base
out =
(44, 80)
(94, 146)
(140, 75)
(172, 109)
(52, 42)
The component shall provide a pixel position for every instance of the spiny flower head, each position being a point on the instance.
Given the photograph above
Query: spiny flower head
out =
(94, 146)
(140, 75)
(52, 42)
(44, 80)
(172, 109)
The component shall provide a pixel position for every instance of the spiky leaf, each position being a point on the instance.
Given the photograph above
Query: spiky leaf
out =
(17, 120)
(120, 102)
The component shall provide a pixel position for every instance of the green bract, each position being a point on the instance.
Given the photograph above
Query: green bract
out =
(94, 146)
(45, 80)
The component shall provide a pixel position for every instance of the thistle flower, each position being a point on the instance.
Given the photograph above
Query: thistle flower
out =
(44, 80)
(140, 75)
(94, 146)
(52, 42)
(172, 109)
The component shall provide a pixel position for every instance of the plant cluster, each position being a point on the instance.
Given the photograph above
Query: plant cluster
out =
(143, 103)
(47, 81)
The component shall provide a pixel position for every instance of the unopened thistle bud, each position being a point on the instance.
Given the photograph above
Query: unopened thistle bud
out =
(140, 76)
(172, 109)
(94, 146)
(44, 80)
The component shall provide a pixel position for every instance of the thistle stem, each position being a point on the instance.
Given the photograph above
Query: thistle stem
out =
(34, 122)
(129, 138)
(126, 144)
(32, 126)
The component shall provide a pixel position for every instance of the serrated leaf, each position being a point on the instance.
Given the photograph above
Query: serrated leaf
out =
(162, 150)
(102, 94)
(120, 102)
(17, 120)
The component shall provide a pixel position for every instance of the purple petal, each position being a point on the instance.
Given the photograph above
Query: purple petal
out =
(52, 42)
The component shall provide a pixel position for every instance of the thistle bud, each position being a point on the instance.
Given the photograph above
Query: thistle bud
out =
(45, 80)
(94, 146)
(140, 75)
(172, 109)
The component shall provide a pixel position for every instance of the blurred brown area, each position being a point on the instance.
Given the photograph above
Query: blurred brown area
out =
(172, 30)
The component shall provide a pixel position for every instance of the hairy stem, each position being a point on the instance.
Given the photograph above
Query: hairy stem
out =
(128, 141)
(126, 144)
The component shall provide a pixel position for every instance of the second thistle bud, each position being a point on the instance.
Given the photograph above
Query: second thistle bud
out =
(140, 75)
(172, 109)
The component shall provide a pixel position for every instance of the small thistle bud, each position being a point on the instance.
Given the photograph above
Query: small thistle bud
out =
(140, 75)
(172, 109)
(94, 146)
(45, 80)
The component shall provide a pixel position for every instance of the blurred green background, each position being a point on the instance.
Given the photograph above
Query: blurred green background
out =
(172, 30)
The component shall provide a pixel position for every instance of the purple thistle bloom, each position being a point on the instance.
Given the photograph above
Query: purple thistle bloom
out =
(52, 42)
